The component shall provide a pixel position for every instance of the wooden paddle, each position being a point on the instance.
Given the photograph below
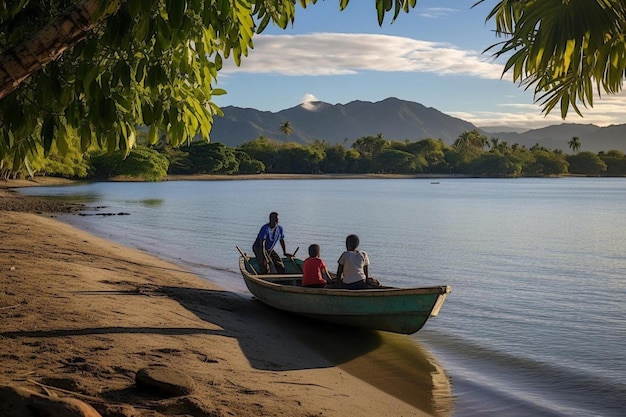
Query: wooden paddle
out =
(247, 259)
(293, 255)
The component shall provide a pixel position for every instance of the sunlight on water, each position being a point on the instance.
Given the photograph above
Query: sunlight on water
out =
(536, 322)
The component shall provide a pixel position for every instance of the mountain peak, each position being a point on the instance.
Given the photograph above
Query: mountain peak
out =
(395, 119)
(314, 105)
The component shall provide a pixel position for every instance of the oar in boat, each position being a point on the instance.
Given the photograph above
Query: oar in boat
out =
(293, 255)
(247, 259)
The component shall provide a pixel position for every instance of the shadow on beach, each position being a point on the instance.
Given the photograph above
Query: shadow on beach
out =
(395, 364)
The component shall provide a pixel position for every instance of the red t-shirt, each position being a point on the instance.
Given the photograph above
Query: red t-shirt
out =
(312, 271)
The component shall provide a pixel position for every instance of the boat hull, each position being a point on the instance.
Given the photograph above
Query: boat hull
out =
(390, 309)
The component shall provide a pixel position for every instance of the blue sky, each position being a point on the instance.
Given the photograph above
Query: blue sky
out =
(432, 55)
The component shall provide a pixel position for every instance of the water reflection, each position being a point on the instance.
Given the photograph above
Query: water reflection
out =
(395, 364)
(80, 198)
(151, 202)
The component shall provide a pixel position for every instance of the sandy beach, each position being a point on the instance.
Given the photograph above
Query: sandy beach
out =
(80, 316)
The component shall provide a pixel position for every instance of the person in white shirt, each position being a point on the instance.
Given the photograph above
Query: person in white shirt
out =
(353, 269)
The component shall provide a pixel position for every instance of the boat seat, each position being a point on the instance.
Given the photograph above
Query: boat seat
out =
(280, 277)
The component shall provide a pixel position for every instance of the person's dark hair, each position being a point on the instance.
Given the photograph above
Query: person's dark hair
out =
(352, 242)
(314, 250)
(273, 214)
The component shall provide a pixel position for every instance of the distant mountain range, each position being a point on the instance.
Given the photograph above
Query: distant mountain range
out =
(397, 120)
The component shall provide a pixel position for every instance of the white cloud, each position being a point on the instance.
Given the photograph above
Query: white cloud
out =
(325, 54)
(308, 101)
(521, 121)
(436, 12)
(606, 111)
(308, 97)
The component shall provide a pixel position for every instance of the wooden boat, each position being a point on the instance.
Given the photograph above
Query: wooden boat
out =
(390, 309)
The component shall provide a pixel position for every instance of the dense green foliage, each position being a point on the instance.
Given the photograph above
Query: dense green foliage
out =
(586, 163)
(206, 158)
(615, 163)
(472, 154)
(141, 162)
(565, 50)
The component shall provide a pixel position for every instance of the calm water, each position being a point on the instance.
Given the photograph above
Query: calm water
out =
(536, 322)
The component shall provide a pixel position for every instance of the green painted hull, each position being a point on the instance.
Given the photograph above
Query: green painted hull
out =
(390, 309)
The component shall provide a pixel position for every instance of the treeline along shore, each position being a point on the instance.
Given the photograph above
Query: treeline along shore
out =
(472, 154)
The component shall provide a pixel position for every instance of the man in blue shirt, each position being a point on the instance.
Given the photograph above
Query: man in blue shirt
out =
(270, 234)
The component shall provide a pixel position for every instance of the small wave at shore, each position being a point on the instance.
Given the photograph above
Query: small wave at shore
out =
(519, 386)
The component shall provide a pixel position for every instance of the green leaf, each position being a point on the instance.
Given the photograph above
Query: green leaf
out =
(380, 9)
(176, 12)
(148, 116)
(131, 139)
(109, 110)
(111, 141)
(134, 7)
(122, 70)
(85, 137)
(263, 24)
(62, 139)
(218, 61)
(47, 133)
(153, 135)
(157, 111)
(146, 5)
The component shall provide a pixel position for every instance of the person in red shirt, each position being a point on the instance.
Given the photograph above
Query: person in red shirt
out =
(314, 269)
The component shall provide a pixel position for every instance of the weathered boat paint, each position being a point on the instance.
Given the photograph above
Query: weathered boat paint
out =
(398, 310)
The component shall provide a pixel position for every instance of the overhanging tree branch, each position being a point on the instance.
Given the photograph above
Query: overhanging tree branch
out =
(70, 27)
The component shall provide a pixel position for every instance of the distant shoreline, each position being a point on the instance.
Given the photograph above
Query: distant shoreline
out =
(211, 177)
(55, 181)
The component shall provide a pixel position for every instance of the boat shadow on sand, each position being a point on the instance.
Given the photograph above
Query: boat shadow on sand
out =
(396, 364)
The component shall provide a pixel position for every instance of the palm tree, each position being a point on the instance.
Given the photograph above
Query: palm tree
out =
(583, 39)
(285, 128)
(574, 144)
(471, 139)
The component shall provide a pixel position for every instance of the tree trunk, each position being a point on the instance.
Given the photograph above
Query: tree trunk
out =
(48, 44)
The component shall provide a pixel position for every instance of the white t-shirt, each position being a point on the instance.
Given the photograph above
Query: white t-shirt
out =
(353, 263)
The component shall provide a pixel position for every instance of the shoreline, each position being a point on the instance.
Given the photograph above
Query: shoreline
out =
(209, 177)
(43, 181)
(11, 200)
(82, 315)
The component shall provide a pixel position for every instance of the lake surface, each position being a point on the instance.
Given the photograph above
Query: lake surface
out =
(536, 321)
